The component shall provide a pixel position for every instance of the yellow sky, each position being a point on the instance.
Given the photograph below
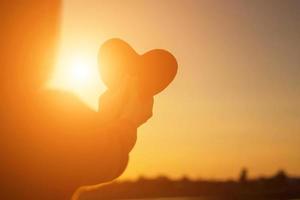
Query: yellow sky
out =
(235, 101)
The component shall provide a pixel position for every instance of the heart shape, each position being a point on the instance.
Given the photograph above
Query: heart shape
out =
(153, 70)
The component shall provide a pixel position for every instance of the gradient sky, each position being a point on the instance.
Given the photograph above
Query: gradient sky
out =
(236, 99)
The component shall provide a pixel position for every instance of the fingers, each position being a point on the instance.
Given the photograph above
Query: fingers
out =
(138, 111)
(110, 105)
(111, 102)
(126, 103)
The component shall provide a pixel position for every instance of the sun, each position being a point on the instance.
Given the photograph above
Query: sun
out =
(80, 71)
(77, 72)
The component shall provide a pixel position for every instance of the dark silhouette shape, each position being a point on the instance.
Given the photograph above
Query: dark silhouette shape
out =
(280, 178)
(153, 70)
(279, 186)
(52, 143)
(140, 77)
(243, 176)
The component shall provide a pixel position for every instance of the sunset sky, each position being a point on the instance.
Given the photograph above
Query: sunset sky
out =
(236, 99)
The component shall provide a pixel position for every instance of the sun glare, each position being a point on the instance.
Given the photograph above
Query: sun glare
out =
(80, 71)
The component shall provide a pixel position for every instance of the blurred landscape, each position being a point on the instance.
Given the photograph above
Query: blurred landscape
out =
(278, 186)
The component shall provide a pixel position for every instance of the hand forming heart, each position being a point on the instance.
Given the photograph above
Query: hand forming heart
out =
(132, 79)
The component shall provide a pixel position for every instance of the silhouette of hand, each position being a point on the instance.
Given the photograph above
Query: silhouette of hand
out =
(126, 103)
(111, 103)
(152, 71)
(138, 109)
(132, 80)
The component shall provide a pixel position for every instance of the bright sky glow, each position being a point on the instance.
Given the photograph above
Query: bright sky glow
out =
(235, 100)
(80, 71)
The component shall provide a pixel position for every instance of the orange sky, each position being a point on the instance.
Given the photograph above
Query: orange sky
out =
(236, 99)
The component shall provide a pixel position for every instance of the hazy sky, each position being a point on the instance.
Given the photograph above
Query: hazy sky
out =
(236, 99)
